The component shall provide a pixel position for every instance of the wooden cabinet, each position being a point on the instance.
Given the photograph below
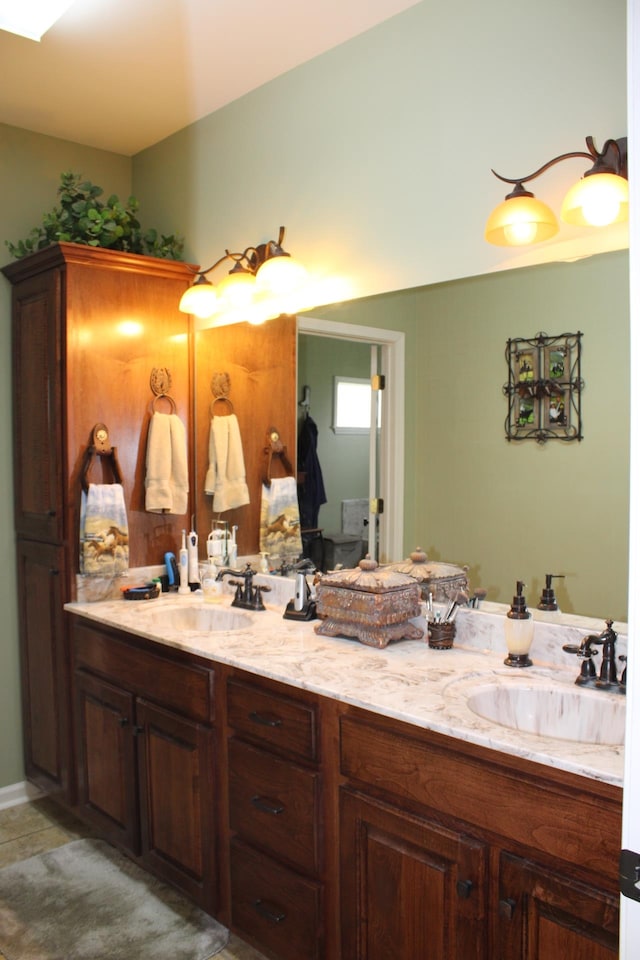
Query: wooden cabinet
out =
(145, 770)
(274, 799)
(44, 667)
(547, 913)
(409, 886)
(79, 360)
(451, 851)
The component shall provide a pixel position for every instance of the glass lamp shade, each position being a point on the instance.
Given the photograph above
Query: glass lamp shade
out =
(237, 289)
(281, 274)
(518, 221)
(200, 300)
(596, 201)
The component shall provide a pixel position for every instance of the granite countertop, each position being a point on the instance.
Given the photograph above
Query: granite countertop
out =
(406, 680)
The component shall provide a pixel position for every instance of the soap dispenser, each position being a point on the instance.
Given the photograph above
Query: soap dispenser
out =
(548, 598)
(518, 629)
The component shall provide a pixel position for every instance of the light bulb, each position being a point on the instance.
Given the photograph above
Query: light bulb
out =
(281, 274)
(201, 300)
(519, 233)
(596, 201)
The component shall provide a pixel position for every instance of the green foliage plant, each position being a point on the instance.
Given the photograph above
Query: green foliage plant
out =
(83, 218)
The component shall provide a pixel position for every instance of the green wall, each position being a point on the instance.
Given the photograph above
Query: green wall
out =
(30, 168)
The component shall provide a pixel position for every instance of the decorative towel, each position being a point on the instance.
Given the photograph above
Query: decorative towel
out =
(167, 478)
(104, 531)
(280, 520)
(226, 476)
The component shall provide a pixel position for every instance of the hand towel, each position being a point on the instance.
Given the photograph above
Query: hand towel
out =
(104, 531)
(167, 478)
(226, 476)
(280, 520)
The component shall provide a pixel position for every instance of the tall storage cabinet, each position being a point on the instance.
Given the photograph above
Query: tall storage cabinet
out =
(89, 325)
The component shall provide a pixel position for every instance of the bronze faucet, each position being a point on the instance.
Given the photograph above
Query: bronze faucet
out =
(248, 596)
(607, 678)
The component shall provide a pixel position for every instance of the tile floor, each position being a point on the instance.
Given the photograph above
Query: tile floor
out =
(31, 828)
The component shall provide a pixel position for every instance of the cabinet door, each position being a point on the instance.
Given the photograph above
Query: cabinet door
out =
(44, 667)
(176, 800)
(107, 789)
(543, 914)
(409, 887)
(37, 407)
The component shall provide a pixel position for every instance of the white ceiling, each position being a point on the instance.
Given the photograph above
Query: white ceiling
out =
(121, 75)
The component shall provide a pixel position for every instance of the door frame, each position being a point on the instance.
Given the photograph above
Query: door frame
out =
(392, 350)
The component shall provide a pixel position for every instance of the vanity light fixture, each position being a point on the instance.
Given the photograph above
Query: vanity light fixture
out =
(601, 197)
(264, 282)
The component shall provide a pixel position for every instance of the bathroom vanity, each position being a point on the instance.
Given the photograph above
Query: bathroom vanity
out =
(327, 800)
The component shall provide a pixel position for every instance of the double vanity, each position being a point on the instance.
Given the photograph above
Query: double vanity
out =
(329, 800)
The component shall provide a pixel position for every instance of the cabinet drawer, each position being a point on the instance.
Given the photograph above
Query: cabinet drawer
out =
(182, 687)
(274, 804)
(278, 722)
(274, 907)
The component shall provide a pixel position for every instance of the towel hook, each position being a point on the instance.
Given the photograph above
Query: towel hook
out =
(101, 447)
(220, 388)
(160, 383)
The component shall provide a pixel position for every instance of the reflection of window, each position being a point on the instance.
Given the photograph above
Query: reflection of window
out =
(352, 405)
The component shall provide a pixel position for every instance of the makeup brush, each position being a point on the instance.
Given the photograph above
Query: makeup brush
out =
(452, 609)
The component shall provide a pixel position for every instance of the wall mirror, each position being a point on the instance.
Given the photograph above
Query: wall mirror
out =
(509, 511)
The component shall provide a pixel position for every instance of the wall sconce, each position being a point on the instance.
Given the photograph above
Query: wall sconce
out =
(601, 197)
(264, 282)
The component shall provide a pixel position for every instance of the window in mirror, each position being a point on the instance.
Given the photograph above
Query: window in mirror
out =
(352, 405)
(544, 388)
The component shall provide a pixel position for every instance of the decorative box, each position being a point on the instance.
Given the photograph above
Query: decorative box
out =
(444, 581)
(371, 603)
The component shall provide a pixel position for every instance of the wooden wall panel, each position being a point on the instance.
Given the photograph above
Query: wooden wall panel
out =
(120, 324)
(261, 363)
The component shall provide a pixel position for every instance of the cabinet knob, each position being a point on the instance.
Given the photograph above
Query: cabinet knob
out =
(269, 912)
(123, 721)
(51, 513)
(506, 908)
(265, 719)
(137, 730)
(54, 572)
(267, 805)
(464, 888)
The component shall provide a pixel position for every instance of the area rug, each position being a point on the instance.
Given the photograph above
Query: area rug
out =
(86, 901)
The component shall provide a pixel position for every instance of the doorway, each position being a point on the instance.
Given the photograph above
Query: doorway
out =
(370, 348)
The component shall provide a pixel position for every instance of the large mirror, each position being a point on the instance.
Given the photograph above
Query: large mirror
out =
(509, 510)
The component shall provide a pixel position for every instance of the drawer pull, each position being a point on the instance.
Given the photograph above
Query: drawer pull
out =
(265, 719)
(267, 805)
(506, 908)
(137, 730)
(269, 912)
(123, 721)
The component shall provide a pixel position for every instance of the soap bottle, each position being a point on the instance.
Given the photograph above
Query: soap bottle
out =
(548, 602)
(183, 566)
(518, 629)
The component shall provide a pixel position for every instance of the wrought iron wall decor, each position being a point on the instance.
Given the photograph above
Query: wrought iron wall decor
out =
(544, 388)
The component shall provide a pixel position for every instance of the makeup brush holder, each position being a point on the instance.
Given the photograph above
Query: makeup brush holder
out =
(441, 634)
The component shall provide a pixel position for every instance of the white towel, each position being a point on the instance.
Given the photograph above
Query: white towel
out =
(104, 531)
(167, 477)
(226, 476)
(280, 519)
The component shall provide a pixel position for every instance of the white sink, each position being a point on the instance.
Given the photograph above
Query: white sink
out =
(207, 618)
(578, 714)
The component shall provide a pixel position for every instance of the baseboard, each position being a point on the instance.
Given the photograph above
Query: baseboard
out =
(17, 793)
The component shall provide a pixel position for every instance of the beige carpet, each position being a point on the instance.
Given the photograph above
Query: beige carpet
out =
(86, 901)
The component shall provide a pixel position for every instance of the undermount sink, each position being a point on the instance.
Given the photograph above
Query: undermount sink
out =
(202, 619)
(583, 716)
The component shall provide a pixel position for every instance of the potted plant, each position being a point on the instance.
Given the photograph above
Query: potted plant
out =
(82, 217)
